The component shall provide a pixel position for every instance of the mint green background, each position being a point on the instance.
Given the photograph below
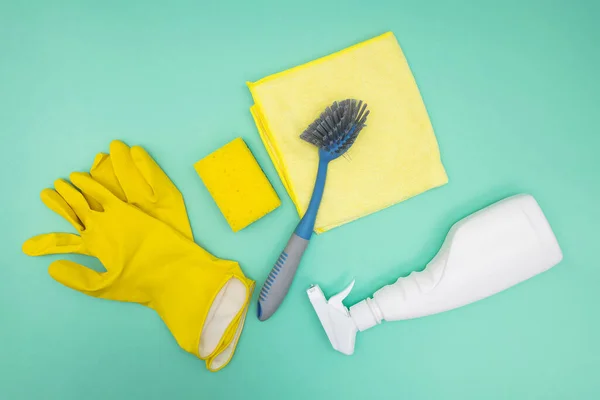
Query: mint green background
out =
(512, 90)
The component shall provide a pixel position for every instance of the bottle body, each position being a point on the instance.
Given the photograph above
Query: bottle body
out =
(483, 254)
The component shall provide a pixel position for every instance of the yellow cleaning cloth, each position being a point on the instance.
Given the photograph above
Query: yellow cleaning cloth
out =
(395, 157)
(237, 184)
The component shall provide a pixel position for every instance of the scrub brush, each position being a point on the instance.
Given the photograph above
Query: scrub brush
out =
(333, 133)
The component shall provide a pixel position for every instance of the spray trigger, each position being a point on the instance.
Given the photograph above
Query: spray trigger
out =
(336, 300)
(335, 318)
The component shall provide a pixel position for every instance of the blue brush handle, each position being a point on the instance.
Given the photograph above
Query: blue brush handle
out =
(281, 276)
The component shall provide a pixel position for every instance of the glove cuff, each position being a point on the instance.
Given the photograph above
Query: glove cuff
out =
(227, 305)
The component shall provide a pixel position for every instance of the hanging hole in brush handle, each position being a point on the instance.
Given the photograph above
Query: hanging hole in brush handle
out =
(280, 278)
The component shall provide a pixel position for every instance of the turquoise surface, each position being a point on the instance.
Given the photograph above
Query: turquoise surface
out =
(512, 89)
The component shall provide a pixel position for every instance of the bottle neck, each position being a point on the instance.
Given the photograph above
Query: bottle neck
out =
(366, 314)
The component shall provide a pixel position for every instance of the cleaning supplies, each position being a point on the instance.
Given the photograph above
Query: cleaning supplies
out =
(237, 184)
(333, 133)
(483, 254)
(398, 160)
(140, 252)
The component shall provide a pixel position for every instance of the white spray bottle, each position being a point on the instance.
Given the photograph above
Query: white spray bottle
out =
(483, 254)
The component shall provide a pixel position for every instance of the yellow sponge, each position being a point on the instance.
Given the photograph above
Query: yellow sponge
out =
(237, 184)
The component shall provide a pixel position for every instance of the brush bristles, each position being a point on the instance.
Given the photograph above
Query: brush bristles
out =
(338, 126)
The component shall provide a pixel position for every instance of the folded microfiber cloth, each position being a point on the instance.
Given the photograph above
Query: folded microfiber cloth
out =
(396, 156)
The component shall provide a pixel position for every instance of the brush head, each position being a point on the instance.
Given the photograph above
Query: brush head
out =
(337, 127)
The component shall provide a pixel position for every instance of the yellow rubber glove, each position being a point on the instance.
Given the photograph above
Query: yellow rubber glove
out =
(134, 177)
(223, 321)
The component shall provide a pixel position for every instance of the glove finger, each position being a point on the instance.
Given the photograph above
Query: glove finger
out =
(103, 172)
(57, 203)
(78, 277)
(73, 198)
(54, 243)
(151, 171)
(94, 204)
(163, 189)
(133, 183)
(90, 187)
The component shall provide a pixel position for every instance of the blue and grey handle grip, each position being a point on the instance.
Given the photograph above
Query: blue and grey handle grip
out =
(281, 276)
